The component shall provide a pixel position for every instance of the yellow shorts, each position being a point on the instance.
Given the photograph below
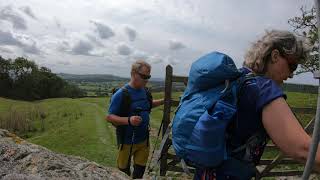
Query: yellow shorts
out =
(140, 153)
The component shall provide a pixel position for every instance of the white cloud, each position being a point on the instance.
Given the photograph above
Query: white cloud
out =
(64, 46)
(137, 55)
(28, 11)
(64, 30)
(29, 44)
(104, 31)
(176, 45)
(171, 60)
(6, 50)
(131, 33)
(156, 59)
(7, 38)
(63, 63)
(94, 40)
(123, 49)
(60, 27)
(141, 55)
(82, 48)
(32, 49)
(19, 40)
(85, 48)
(9, 14)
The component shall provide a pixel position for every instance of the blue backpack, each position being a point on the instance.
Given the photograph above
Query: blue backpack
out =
(206, 109)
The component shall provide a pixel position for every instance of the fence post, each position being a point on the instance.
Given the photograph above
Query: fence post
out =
(166, 116)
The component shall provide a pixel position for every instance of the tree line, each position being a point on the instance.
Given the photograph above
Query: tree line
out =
(305, 26)
(23, 79)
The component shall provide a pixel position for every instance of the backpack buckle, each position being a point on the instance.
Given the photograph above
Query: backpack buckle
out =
(227, 84)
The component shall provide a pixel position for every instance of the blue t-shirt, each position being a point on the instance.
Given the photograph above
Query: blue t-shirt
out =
(139, 100)
(256, 94)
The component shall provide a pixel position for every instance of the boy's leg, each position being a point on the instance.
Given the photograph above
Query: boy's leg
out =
(122, 159)
(141, 155)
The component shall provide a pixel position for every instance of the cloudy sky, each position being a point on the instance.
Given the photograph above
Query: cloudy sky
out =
(106, 36)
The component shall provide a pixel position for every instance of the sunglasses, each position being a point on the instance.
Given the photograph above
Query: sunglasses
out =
(291, 62)
(292, 65)
(144, 76)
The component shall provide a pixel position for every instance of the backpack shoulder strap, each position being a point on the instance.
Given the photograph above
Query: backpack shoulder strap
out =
(253, 147)
(242, 80)
(126, 100)
(125, 108)
(149, 97)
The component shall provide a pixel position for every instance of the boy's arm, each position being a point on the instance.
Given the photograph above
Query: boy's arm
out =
(157, 102)
(117, 120)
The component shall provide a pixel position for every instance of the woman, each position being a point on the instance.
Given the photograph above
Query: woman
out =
(262, 106)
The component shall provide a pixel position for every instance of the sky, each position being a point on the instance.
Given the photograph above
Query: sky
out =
(107, 36)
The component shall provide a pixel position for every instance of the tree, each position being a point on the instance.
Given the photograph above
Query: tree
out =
(22, 79)
(5, 80)
(306, 26)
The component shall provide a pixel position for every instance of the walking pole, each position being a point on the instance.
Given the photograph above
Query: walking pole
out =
(136, 113)
(316, 130)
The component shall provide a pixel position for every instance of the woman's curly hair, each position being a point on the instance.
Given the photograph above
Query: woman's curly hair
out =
(285, 42)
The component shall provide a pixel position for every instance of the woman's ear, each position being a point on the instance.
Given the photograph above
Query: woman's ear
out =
(275, 55)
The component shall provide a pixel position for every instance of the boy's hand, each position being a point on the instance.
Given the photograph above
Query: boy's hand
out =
(135, 120)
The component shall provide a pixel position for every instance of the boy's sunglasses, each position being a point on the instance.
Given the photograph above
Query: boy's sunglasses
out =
(144, 76)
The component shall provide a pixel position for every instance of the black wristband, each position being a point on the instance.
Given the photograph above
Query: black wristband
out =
(129, 123)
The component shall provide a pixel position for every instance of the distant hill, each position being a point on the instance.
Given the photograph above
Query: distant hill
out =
(157, 84)
(157, 79)
(91, 77)
(98, 78)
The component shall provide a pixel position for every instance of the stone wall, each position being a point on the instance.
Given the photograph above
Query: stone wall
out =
(20, 159)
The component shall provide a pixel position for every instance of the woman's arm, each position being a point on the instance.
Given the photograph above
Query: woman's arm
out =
(286, 132)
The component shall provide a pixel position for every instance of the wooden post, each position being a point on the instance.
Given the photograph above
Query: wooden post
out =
(166, 116)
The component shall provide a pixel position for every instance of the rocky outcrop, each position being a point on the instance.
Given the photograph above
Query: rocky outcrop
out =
(20, 159)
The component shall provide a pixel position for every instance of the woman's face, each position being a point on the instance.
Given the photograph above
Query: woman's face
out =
(280, 68)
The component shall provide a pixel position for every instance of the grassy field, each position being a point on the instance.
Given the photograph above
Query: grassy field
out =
(77, 126)
(72, 126)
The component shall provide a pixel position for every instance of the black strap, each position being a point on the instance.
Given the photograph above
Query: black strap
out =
(252, 150)
(257, 141)
(125, 107)
(149, 97)
(126, 101)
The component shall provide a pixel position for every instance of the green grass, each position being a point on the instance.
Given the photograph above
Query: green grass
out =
(77, 126)
(73, 126)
